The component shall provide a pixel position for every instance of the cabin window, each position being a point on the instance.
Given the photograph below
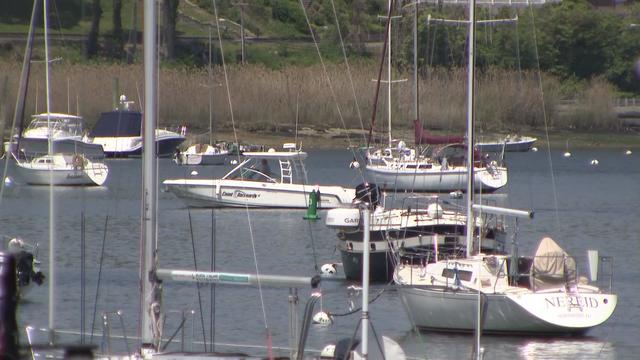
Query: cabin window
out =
(462, 274)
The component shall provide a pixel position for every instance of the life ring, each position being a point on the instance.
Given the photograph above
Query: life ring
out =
(78, 163)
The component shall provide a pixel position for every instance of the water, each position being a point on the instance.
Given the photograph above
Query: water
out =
(594, 207)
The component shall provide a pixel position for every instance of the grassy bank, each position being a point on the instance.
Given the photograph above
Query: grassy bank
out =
(270, 101)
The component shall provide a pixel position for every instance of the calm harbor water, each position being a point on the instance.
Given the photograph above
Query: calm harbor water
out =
(594, 207)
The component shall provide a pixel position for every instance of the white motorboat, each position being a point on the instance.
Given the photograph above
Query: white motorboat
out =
(419, 229)
(61, 169)
(63, 127)
(509, 143)
(119, 133)
(545, 296)
(252, 184)
(444, 171)
(202, 154)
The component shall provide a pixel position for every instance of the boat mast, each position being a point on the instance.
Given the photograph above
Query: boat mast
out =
(389, 75)
(52, 249)
(470, 120)
(150, 297)
(415, 63)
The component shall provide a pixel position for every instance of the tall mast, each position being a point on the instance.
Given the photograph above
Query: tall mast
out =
(52, 248)
(470, 119)
(389, 75)
(416, 115)
(149, 300)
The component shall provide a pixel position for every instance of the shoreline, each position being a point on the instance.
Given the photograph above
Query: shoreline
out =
(333, 138)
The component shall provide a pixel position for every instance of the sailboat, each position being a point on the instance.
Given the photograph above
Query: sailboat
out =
(403, 168)
(55, 168)
(543, 294)
(205, 154)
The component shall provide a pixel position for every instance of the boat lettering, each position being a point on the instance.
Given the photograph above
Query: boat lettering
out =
(571, 301)
(351, 220)
(240, 194)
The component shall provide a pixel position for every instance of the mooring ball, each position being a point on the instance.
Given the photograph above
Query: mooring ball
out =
(628, 152)
(322, 318)
(534, 149)
(594, 162)
(234, 162)
(328, 269)
(194, 173)
(354, 165)
(328, 351)
(567, 154)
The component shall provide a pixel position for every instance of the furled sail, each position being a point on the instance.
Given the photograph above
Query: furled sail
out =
(423, 137)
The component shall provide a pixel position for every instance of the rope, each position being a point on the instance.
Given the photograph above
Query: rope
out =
(544, 116)
(235, 135)
(346, 63)
(195, 265)
(95, 306)
(328, 79)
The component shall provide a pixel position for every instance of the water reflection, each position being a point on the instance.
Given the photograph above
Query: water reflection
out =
(433, 345)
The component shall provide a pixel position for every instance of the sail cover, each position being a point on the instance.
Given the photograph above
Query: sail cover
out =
(423, 137)
(552, 266)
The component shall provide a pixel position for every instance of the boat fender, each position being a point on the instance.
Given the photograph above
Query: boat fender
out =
(329, 269)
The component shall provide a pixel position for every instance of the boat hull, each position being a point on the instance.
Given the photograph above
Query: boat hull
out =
(130, 147)
(444, 180)
(509, 146)
(202, 159)
(70, 177)
(237, 193)
(440, 308)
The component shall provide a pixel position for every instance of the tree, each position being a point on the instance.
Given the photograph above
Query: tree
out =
(169, 16)
(92, 41)
(117, 28)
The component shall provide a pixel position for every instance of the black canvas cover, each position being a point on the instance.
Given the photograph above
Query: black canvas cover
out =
(118, 124)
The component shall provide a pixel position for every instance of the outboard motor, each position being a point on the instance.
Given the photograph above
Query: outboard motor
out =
(369, 193)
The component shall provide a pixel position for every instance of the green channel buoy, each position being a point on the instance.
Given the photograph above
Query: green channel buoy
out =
(312, 210)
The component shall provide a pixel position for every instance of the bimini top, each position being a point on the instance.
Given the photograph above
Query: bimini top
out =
(118, 124)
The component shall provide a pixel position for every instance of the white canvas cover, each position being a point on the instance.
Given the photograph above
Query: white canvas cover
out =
(552, 266)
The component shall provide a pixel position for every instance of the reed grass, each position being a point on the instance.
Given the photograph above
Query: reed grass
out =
(268, 100)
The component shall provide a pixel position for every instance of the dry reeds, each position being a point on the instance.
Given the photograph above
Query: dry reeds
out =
(266, 99)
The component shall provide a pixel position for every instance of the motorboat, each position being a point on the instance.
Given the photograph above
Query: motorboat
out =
(56, 125)
(60, 169)
(422, 227)
(252, 184)
(203, 154)
(444, 171)
(119, 133)
(508, 143)
(543, 294)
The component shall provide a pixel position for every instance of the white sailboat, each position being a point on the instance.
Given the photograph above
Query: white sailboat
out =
(252, 184)
(402, 168)
(543, 294)
(54, 168)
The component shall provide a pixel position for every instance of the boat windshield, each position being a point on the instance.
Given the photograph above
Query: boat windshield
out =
(253, 170)
(118, 124)
(69, 125)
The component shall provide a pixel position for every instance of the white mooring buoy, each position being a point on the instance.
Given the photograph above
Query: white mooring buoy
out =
(322, 318)
(534, 149)
(594, 162)
(329, 269)
(567, 154)
(628, 152)
(194, 173)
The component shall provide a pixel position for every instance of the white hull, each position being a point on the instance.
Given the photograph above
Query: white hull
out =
(91, 173)
(238, 193)
(437, 179)
(202, 159)
(436, 308)
(521, 145)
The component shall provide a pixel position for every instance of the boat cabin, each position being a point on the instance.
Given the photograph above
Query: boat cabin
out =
(62, 126)
(271, 166)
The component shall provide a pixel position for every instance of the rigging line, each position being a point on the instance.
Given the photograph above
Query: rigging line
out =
(330, 84)
(235, 135)
(346, 62)
(95, 304)
(212, 291)
(226, 76)
(195, 265)
(544, 116)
